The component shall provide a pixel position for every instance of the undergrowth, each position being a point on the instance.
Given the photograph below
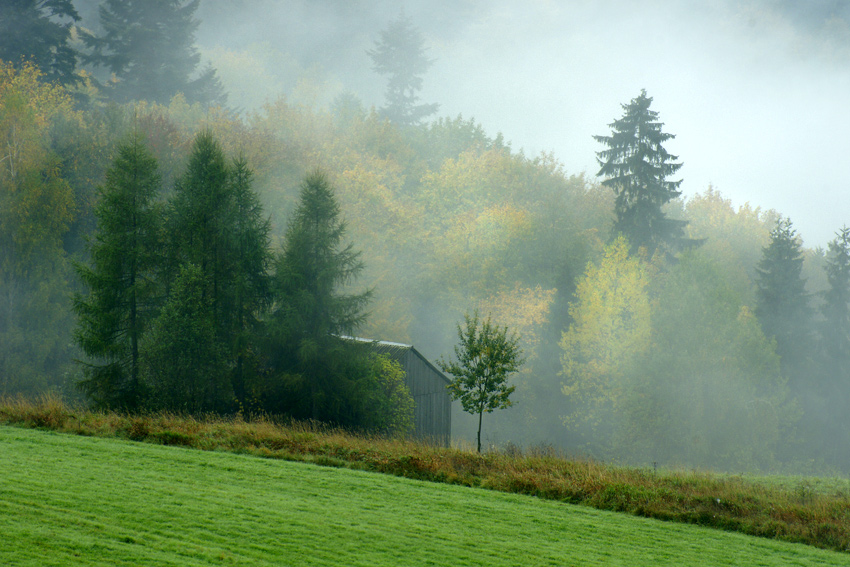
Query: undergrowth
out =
(728, 503)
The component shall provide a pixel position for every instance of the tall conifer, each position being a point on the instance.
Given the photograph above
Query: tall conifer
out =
(311, 311)
(149, 47)
(121, 281)
(782, 304)
(636, 167)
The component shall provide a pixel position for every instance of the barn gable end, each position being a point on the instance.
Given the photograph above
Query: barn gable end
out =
(432, 404)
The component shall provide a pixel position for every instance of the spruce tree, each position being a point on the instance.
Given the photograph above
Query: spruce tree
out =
(39, 30)
(400, 55)
(149, 47)
(311, 313)
(636, 167)
(121, 280)
(782, 304)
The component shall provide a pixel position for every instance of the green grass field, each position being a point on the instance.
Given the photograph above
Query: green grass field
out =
(69, 500)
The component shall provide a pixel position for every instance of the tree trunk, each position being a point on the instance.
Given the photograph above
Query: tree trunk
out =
(480, 417)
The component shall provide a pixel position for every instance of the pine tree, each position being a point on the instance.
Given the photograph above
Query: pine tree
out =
(400, 55)
(113, 317)
(39, 30)
(148, 45)
(311, 314)
(636, 167)
(782, 304)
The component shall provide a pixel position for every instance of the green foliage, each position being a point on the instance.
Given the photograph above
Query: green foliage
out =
(199, 227)
(36, 208)
(311, 313)
(184, 363)
(836, 306)
(39, 31)
(636, 167)
(388, 405)
(400, 54)
(782, 304)
(250, 286)
(149, 49)
(122, 278)
(610, 331)
(485, 357)
(708, 391)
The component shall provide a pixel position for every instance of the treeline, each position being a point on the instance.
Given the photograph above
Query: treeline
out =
(184, 312)
(723, 351)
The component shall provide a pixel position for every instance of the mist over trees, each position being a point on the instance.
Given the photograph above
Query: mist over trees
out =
(217, 269)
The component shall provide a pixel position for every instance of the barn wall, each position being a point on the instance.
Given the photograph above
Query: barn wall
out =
(432, 414)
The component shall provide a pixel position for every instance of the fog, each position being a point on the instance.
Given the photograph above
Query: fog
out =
(755, 91)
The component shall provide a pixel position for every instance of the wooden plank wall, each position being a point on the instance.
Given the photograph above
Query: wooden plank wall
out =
(432, 415)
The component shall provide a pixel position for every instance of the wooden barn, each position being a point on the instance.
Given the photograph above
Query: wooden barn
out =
(433, 406)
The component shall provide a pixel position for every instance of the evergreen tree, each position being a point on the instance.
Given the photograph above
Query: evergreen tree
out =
(148, 45)
(636, 167)
(250, 293)
(121, 286)
(834, 386)
(39, 30)
(400, 55)
(782, 305)
(183, 361)
(200, 227)
(217, 225)
(312, 314)
(835, 334)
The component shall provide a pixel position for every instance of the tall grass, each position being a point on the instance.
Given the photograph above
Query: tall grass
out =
(729, 503)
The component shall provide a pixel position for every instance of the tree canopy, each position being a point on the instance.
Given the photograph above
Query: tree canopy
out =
(484, 358)
(400, 54)
(636, 167)
(149, 47)
(40, 31)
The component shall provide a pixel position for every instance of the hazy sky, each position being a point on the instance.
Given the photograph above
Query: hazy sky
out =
(757, 92)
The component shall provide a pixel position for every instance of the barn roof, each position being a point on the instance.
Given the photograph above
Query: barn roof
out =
(397, 348)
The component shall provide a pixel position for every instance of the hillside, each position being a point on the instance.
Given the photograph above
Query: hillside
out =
(70, 500)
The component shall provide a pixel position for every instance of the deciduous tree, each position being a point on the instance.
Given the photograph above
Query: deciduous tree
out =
(485, 356)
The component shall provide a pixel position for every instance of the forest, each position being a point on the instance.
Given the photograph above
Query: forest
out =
(162, 250)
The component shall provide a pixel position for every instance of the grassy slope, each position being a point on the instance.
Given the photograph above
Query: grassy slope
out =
(67, 500)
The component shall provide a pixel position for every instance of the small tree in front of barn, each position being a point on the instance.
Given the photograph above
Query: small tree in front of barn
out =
(486, 355)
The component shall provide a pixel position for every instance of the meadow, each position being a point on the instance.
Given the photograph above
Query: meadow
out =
(71, 500)
(69, 494)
